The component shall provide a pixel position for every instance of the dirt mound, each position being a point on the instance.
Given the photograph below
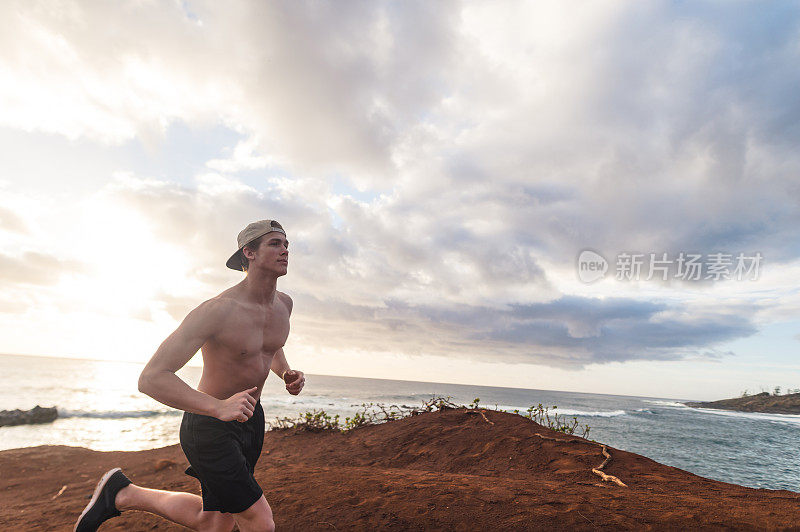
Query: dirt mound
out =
(450, 470)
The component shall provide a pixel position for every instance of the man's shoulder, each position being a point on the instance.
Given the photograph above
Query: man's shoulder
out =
(218, 305)
(286, 300)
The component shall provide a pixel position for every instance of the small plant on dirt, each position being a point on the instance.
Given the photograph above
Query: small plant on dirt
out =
(541, 415)
(314, 421)
(376, 413)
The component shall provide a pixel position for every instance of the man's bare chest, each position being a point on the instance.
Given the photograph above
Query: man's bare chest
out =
(249, 334)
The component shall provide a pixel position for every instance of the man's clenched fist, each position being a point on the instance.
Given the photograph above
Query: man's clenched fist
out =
(237, 407)
(295, 380)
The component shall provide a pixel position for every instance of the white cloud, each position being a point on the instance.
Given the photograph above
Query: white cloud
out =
(243, 157)
(498, 140)
(337, 97)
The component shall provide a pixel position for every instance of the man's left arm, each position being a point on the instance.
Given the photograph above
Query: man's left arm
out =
(294, 379)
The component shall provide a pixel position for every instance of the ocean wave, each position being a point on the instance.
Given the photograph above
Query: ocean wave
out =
(116, 414)
(308, 400)
(673, 404)
(568, 411)
(611, 413)
(783, 419)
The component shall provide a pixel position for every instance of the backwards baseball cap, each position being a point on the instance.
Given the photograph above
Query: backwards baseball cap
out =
(247, 235)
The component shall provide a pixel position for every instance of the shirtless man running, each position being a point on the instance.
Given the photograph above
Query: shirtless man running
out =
(241, 333)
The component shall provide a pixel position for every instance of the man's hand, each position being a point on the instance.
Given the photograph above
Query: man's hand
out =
(295, 380)
(237, 407)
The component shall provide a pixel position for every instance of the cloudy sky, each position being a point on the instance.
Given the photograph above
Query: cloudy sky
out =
(438, 166)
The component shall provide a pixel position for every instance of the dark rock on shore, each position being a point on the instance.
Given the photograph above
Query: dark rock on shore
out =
(37, 414)
(762, 402)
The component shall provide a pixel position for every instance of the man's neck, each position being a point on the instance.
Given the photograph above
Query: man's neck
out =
(260, 287)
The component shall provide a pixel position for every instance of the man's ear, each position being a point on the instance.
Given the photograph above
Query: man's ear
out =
(248, 253)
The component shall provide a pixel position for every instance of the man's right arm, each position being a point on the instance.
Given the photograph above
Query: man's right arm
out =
(158, 379)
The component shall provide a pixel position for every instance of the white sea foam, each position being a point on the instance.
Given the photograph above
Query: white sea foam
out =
(606, 413)
(672, 404)
(567, 411)
(784, 419)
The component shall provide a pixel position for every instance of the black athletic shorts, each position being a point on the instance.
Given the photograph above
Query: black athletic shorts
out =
(222, 456)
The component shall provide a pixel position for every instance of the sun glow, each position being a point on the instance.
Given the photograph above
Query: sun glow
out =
(124, 261)
(126, 274)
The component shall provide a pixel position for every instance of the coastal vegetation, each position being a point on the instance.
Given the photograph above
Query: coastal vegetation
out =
(775, 391)
(763, 402)
(375, 413)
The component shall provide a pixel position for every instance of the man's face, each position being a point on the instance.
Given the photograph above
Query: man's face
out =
(272, 255)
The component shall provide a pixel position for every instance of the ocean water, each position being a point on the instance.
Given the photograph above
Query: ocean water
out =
(100, 408)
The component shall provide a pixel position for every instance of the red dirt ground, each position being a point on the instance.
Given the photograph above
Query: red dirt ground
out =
(447, 470)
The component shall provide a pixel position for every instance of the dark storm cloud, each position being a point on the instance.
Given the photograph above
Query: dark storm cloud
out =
(608, 330)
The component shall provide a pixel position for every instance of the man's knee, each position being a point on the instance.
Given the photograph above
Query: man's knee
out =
(257, 518)
(268, 525)
(256, 524)
(216, 522)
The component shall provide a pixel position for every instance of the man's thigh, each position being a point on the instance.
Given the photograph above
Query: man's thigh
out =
(257, 518)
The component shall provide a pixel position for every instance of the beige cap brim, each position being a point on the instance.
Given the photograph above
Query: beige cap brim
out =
(235, 262)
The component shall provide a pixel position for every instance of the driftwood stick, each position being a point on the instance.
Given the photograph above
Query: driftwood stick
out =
(604, 476)
(609, 478)
(556, 439)
(607, 460)
(486, 419)
(596, 470)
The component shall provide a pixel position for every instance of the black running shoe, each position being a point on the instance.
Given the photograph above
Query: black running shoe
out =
(102, 507)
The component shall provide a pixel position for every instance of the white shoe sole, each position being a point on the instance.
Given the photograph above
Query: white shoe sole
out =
(97, 490)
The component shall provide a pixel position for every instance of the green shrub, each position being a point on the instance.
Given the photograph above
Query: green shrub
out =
(376, 413)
